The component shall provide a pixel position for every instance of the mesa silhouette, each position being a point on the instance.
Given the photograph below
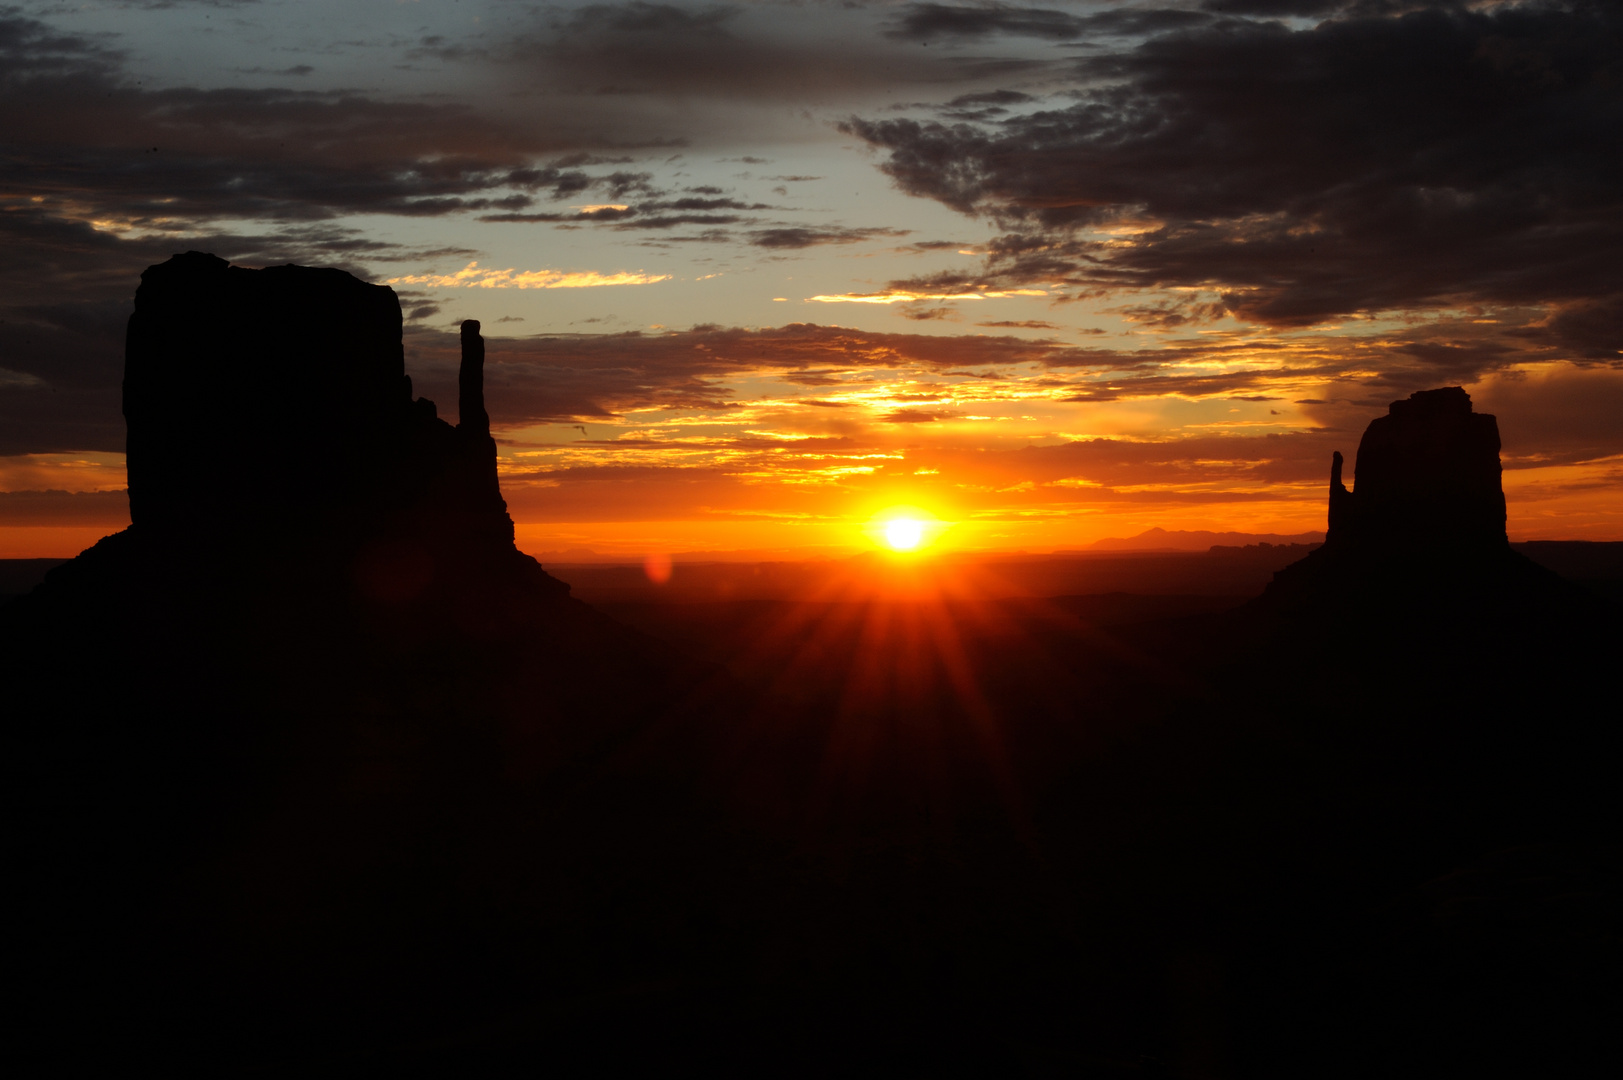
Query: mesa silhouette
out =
(1422, 535)
(337, 468)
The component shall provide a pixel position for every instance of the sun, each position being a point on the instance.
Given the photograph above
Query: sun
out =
(904, 534)
(904, 530)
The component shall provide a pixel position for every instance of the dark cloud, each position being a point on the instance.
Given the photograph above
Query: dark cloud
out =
(437, 47)
(1441, 156)
(1276, 9)
(671, 221)
(87, 142)
(158, 5)
(990, 97)
(705, 204)
(789, 237)
(984, 106)
(713, 50)
(641, 19)
(654, 214)
(297, 70)
(602, 213)
(1592, 328)
(928, 21)
(952, 20)
(84, 140)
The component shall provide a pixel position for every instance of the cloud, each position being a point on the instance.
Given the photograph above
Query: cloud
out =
(1273, 9)
(797, 236)
(901, 296)
(87, 143)
(1276, 170)
(663, 214)
(929, 21)
(921, 313)
(983, 106)
(471, 277)
(297, 71)
(721, 51)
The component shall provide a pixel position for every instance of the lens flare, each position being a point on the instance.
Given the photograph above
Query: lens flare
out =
(904, 534)
(657, 567)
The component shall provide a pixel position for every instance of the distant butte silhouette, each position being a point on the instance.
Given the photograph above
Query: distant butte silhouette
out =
(1424, 523)
(332, 464)
(1428, 474)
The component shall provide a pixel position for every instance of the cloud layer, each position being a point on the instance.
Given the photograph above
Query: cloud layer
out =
(1443, 156)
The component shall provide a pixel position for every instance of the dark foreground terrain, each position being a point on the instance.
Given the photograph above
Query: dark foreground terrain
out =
(1116, 835)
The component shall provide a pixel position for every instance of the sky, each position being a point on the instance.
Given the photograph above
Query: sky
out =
(756, 275)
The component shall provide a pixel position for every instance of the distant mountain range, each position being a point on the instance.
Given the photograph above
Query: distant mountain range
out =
(1184, 540)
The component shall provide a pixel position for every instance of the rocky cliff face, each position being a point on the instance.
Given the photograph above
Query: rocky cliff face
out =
(1427, 474)
(272, 406)
(1423, 529)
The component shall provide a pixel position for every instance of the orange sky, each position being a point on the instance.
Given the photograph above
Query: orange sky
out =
(786, 448)
(753, 274)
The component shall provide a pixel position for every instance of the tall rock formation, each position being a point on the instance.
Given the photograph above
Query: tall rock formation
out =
(272, 406)
(1424, 526)
(293, 739)
(1427, 475)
